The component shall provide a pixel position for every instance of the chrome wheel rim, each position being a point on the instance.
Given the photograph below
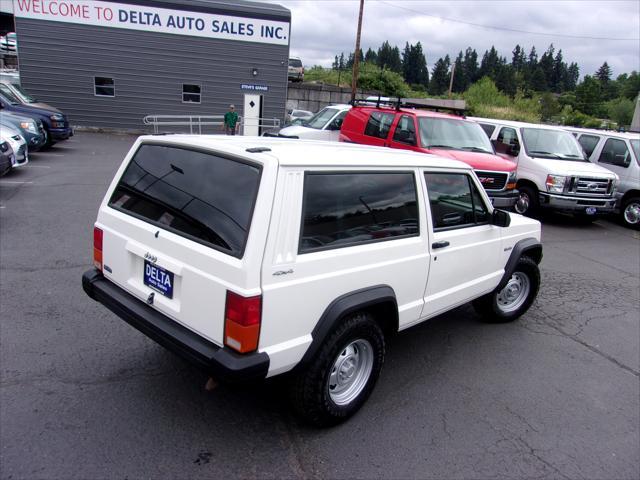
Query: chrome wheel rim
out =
(632, 213)
(350, 372)
(515, 293)
(523, 203)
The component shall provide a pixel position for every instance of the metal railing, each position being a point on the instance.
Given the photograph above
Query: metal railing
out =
(196, 122)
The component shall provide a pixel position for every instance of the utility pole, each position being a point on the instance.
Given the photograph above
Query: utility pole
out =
(453, 69)
(356, 56)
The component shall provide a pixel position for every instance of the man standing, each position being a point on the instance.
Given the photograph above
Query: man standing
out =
(231, 121)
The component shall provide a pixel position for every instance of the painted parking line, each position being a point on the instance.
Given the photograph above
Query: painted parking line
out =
(13, 182)
(47, 154)
(35, 166)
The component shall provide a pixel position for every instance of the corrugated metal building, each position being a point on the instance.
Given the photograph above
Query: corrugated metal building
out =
(109, 64)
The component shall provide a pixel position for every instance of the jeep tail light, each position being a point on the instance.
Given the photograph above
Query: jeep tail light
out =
(242, 317)
(97, 248)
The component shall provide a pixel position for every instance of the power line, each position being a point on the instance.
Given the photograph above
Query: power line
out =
(506, 29)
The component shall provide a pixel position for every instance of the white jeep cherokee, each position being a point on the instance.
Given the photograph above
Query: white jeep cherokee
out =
(252, 257)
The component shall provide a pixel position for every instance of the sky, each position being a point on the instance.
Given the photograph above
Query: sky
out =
(588, 32)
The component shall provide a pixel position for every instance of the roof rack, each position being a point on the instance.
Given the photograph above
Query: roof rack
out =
(457, 107)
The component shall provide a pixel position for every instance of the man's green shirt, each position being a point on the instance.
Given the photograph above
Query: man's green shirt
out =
(230, 119)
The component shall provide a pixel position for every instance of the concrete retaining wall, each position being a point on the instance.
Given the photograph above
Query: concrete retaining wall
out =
(313, 96)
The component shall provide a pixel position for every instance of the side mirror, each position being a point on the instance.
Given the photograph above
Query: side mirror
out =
(500, 218)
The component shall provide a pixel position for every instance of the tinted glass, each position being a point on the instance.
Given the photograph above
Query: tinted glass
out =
(635, 144)
(615, 152)
(553, 144)
(379, 124)
(294, 62)
(104, 86)
(405, 131)
(454, 201)
(488, 129)
(588, 143)
(198, 195)
(343, 209)
(507, 141)
(458, 134)
(191, 93)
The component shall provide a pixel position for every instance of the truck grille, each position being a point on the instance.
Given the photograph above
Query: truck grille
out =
(593, 187)
(492, 180)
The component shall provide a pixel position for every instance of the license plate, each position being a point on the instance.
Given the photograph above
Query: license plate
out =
(158, 278)
(591, 210)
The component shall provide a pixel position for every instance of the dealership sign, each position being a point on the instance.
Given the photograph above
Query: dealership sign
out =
(150, 19)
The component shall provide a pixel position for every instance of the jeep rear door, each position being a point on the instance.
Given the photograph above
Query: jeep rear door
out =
(176, 229)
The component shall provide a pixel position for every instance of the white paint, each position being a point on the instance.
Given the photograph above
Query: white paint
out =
(159, 20)
(251, 114)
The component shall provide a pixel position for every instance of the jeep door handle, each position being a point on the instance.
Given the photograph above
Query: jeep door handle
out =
(440, 244)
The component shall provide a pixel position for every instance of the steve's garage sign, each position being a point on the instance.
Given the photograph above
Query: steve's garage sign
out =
(162, 20)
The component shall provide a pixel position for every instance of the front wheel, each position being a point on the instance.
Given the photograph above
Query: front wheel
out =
(515, 298)
(343, 374)
(630, 213)
(527, 203)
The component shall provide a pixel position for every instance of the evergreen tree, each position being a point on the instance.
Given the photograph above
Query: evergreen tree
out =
(414, 65)
(573, 75)
(471, 65)
(460, 79)
(505, 78)
(490, 64)
(336, 63)
(370, 56)
(341, 62)
(538, 80)
(558, 79)
(604, 74)
(589, 96)
(439, 82)
(518, 60)
(389, 57)
(546, 64)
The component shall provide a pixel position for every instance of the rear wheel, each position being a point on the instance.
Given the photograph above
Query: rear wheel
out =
(630, 213)
(527, 203)
(342, 376)
(514, 298)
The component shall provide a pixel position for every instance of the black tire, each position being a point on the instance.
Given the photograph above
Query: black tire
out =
(630, 213)
(527, 204)
(48, 143)
(494, 307)
(312, 396)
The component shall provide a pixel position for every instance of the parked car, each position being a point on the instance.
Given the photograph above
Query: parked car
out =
(7, 157)
(9, 42)
(256, 257)
(443, 134)
(619, 153)
(324, 125)
(56, 124)
(298, 115)
(18, 144)
(14, 92)
(295, 71)
(553, 172)
(31, 130)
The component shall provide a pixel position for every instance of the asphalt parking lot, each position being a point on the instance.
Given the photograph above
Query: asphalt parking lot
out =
(85, 396)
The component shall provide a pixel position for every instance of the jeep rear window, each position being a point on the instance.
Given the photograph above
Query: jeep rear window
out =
(201, 196)
(379, 124)
(352, 208)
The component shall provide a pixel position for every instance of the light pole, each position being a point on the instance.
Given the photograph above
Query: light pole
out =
(356, 56)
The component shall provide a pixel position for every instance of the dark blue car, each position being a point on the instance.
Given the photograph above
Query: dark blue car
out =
(55, 123)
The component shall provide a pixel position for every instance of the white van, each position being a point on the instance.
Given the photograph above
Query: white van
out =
(553, 172)
(324, 125)
(620, 153)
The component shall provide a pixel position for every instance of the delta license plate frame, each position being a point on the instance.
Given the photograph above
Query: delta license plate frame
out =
(158, 278)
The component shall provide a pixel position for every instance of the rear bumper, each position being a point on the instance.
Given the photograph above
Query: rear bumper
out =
(506, 199)
(220, 363)
(577, 204)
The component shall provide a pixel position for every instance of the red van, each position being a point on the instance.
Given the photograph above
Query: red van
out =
(442, 134)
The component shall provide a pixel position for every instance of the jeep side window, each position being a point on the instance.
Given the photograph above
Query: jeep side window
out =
(345, 209)
(455, 201)
(379, 124)
(588, 143)
(507, 141)
(405, 131)
(615, 152)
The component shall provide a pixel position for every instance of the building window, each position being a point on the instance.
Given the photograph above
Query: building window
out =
(104, 87)
(190, 93)
(346, 209)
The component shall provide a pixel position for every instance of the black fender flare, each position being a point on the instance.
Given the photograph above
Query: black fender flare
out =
(344, 305)
(529, 247)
